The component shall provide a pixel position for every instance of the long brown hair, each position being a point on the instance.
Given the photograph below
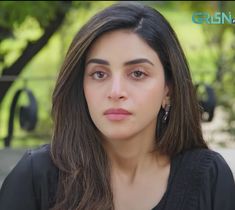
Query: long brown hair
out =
(76, 149)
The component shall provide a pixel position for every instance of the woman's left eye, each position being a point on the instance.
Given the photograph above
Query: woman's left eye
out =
(137, 74)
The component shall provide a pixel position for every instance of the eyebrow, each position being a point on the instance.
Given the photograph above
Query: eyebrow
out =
(131, 62)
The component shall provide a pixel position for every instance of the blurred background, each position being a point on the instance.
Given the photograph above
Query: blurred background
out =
(34, 38)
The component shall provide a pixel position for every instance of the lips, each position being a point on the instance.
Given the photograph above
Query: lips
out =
(117, 111)
(117, 114)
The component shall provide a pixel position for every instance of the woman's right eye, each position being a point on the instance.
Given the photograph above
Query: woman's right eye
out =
(98, 75)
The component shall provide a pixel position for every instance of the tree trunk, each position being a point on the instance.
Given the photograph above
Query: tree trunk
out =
(30, 51)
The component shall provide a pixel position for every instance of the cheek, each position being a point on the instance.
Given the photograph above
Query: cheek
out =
(93, 97)
(92, 91)
(152, 103)
(89, 96)
(152, 96)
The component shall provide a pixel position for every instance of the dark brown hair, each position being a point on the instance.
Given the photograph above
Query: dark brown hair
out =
(84, 171)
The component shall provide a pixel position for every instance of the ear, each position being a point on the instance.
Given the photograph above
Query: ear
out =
(166, 98)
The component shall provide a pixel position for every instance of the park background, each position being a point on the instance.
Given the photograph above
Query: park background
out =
(209, 48)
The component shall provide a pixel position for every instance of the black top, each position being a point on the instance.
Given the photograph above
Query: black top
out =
(199, 179)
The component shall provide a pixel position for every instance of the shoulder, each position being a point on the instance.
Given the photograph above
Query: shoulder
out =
(31, 183)
(40, 158)
(206, 176)
(204, 163)
(35, 163)
(41, 153)
(34, 160)
(205, 169)
(207, 161)
(44, 172)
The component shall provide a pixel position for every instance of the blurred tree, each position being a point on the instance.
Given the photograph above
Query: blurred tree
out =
(220, 40)
(25, 28)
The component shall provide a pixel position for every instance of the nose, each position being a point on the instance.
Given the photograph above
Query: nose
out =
(117, 89)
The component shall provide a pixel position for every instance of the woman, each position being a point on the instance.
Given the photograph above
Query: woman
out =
(127, 132)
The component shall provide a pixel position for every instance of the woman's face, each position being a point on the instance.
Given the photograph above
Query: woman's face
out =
(124, 85)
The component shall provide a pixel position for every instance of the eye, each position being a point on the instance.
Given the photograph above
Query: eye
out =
(137, 74)
(98, 75)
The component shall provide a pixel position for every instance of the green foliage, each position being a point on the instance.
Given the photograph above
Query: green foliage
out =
(220, 41)
(22, 22)
(14, 13)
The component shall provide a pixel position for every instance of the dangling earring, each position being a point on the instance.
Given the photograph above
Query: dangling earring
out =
(166, 115)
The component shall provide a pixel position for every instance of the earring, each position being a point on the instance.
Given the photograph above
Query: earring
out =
(166, 115)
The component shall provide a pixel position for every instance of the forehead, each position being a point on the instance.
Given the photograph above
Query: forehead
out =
(121, 44)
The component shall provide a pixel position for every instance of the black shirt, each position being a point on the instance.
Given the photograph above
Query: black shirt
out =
(200, 179)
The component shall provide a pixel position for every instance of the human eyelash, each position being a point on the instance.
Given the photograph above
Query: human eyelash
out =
(94, 74)
(143, 74)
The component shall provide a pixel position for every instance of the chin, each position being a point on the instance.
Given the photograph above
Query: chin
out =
(117, 136)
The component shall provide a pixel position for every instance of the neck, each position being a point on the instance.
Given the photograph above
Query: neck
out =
(131, 157)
